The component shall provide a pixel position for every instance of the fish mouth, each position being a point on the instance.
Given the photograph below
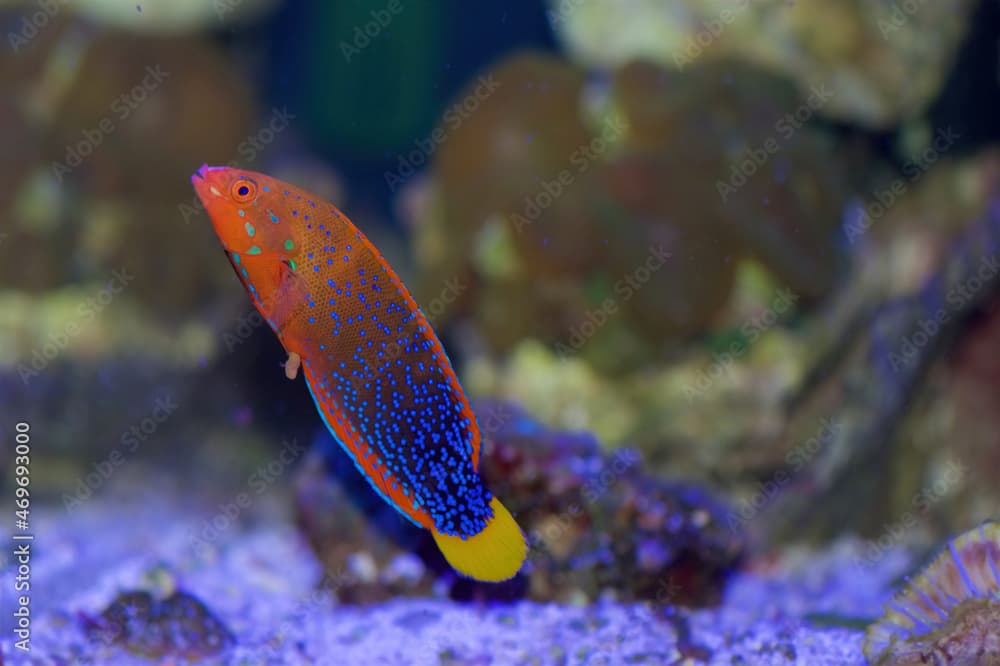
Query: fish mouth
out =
(207, 182)
(199, 175)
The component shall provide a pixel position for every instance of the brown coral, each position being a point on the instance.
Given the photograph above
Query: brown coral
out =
(553, 193)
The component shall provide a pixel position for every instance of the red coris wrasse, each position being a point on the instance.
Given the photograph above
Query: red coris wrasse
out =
(376, 371)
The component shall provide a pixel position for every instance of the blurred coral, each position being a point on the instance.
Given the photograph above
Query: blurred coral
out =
(898, 382)
(597, 523)
(177, 16)
(105, 265)
(89, 201)
(950, 613)
(608, 221)
(884, 61)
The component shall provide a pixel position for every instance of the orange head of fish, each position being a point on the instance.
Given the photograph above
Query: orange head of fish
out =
(252, 213)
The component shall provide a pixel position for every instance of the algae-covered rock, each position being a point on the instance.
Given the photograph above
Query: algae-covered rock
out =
(178, 625)
(670, 413)
(614, 233)
(118, 123)
(171, 17)
(596, 523)
(883, 61)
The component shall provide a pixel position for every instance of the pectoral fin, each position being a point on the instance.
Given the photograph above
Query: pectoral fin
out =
(290, 296)
(292, 365)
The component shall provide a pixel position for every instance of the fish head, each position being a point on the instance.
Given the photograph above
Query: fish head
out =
(252, 213)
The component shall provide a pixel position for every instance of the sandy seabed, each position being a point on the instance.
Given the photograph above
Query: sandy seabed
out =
(261, 581)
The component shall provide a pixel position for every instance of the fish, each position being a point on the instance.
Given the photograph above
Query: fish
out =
(949, 613)
(377, 373)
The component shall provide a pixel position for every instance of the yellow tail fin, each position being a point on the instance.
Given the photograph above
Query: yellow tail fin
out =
(493, 555)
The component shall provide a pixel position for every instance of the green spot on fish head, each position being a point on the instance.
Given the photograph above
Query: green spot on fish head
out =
(292, 264)
(250, 230)
(254, 250)
(289, 244)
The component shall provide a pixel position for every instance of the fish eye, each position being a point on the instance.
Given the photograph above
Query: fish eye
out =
(244, 190)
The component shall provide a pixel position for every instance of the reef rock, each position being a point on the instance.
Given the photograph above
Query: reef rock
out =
(596, 523)
(883, 61)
